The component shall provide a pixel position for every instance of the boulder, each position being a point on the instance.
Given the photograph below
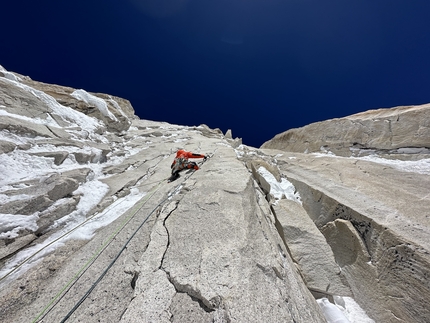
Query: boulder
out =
(62, 208)
(38, 195)
(62, 188)
(79, 174)
(6, 146)
(26, 206)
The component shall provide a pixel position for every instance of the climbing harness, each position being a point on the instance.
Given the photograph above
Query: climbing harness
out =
(181, 164)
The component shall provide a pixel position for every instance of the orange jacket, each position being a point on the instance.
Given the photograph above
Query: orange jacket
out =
(186, 154)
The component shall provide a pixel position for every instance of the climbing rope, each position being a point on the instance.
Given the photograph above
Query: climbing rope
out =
(45, 247)
(85, 296)
(98, 252)
(61, 237)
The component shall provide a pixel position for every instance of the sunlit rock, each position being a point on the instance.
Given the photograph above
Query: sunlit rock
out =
(400, 131)
(91, 230)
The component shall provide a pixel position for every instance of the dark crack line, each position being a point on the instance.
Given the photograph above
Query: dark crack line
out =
(168, 234)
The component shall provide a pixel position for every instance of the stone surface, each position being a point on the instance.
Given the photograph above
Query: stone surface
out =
(57, 211)
(390, 131)
(383, 247)
(26, 206)
(309, 248)
(24, 128)
(214, 245)
(210, 263)
(8, 248)
(6, 146)
(59, 156)
(63, 187)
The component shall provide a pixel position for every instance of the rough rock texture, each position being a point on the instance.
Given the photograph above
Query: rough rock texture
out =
(90, 231)
(308, 247)
(376, 220)
(403, 131)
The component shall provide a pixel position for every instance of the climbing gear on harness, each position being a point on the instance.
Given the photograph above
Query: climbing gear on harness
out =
(191, 166)
(181, 162)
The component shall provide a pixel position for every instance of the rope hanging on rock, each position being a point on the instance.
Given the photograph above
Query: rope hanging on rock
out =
(94, 257)
(85, 296)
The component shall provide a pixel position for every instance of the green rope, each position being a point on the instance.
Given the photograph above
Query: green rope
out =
(169, 195)
(49, 244)
(52, 242)
(137, 207)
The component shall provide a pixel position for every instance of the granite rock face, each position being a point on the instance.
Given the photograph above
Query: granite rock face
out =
(401, 132)
(374, 215)
(90, 230)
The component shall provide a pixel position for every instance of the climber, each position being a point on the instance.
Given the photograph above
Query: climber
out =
(181, 162)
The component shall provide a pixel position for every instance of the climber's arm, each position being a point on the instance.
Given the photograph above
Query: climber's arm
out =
(192, 155)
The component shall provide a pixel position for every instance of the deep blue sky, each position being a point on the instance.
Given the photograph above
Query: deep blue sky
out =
(259, 67)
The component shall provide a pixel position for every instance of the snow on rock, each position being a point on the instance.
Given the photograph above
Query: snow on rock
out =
(72, 117)
(28, 169)
(415, 166)
(11, 224)
(375, 218)
(280, 189)
(383, 131)
(332, 313)
(99, 103)
(350, 312)
(98, 197)
(9, 75)
(48, 121)
(421, 166)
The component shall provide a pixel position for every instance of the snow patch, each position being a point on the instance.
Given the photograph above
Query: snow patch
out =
(11, 224)
(47, 122)
(18, 166)
(73, 117)
(421, 166)
(347, 311)
(414, 166)
(99, 103)
(9, 75)
(110, 214)
(280, 189)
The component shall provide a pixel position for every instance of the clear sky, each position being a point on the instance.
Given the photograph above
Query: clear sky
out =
(259, 67)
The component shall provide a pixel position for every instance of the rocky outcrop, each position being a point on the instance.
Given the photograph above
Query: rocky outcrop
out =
(211, 264)
(308, 247)
(374, 215)
(90, 231)
(402, 131)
